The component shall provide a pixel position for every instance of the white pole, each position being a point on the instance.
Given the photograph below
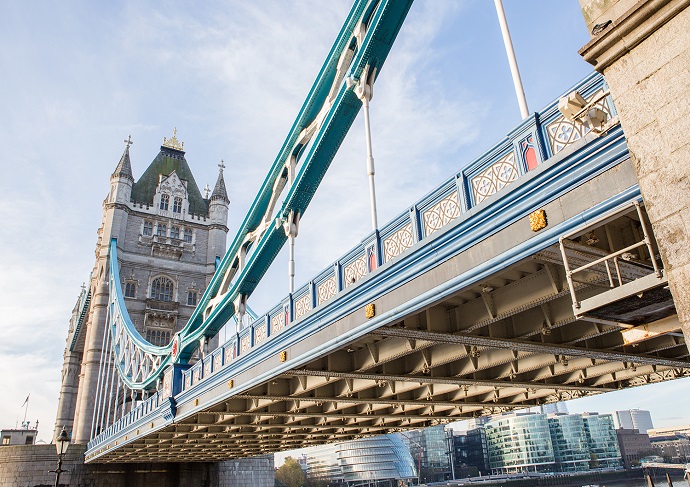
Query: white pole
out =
(370, 157)
(291, 233)
(517, 82)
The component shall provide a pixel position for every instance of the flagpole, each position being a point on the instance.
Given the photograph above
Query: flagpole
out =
(512, 61)
(26, 409)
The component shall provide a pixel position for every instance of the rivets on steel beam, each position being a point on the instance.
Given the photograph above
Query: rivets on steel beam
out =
(537, 220)
(283, 356)
(231, 384)
(370, 311)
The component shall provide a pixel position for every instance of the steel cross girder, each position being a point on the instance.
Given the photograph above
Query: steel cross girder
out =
(528, 346)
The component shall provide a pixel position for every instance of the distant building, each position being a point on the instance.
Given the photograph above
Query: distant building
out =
(569, 440)
(550, 408)
(602, 440)
(684, 429)
(26, 435)
(674, 448)
(378, 461)
(633, 419)
(470, 457)
(633, 446)
(435, 456)
(519, 442)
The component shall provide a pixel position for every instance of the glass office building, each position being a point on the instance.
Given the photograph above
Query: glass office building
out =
(602, 440)
(379, 461)
(520, 442)
(430, 450)
(569, 440)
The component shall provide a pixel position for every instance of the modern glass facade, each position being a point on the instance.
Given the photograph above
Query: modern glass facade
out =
(470, 455)
(602, 440)
(520, 442)
(569, 440)
(433, 445)
(379, 461)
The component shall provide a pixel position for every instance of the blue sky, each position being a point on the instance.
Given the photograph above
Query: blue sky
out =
(78, 77)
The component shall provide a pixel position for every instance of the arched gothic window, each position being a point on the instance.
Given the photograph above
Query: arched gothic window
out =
(177, 205)
(174, 232)
(165, 201)
(162, 289)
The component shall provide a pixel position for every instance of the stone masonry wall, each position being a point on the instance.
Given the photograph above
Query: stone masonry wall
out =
(29, 466)
(645, 56)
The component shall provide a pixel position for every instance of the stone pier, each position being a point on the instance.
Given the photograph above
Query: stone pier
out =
(643, 49)
(29, 466)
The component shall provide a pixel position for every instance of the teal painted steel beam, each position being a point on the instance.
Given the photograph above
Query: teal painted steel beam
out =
(332, 106)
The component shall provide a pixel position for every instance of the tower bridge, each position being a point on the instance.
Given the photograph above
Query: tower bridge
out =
(534, 274)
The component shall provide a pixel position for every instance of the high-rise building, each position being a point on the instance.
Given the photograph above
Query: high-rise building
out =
(553, 408)
(633, 419)
(168, 239)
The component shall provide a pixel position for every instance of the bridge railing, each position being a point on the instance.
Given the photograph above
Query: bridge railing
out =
(541, 136)
(139, 413)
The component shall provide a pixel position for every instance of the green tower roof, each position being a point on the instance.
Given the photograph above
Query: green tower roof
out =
(167, 161)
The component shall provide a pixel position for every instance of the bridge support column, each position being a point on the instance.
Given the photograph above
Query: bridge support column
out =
(68, 392)
(90, 365)
(642, 48)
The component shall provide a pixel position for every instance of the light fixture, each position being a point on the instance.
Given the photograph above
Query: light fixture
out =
(61, 444)
(576, 109)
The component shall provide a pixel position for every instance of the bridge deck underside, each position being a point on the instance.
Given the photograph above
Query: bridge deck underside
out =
(507, 341)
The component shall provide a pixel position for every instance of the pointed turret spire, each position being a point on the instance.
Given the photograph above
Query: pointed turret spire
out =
(124, 167)
(219, 191)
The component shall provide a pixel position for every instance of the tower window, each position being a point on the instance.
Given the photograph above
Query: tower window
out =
(162, 230)
(148, 229)
(157, 337)
(177, 205)
(162, 289)
(175, 232)
(130, 289)
(165, 201)
(191, 298)
(188, 235)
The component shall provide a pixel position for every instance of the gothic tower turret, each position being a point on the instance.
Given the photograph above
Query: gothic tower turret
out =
(218, 213)
(167, 235)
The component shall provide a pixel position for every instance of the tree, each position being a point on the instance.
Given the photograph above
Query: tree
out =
(290, 473)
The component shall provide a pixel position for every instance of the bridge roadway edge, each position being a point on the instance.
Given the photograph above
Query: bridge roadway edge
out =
(595, 161)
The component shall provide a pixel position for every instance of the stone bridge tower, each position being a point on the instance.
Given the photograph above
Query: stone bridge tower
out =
(168, 237)
(643, 49)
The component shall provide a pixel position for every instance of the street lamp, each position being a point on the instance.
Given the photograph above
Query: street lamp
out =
(61, 444)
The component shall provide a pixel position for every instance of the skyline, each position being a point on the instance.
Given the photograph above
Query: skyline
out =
(231, 79)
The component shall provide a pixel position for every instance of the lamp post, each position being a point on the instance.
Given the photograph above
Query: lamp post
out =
(61, 444)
